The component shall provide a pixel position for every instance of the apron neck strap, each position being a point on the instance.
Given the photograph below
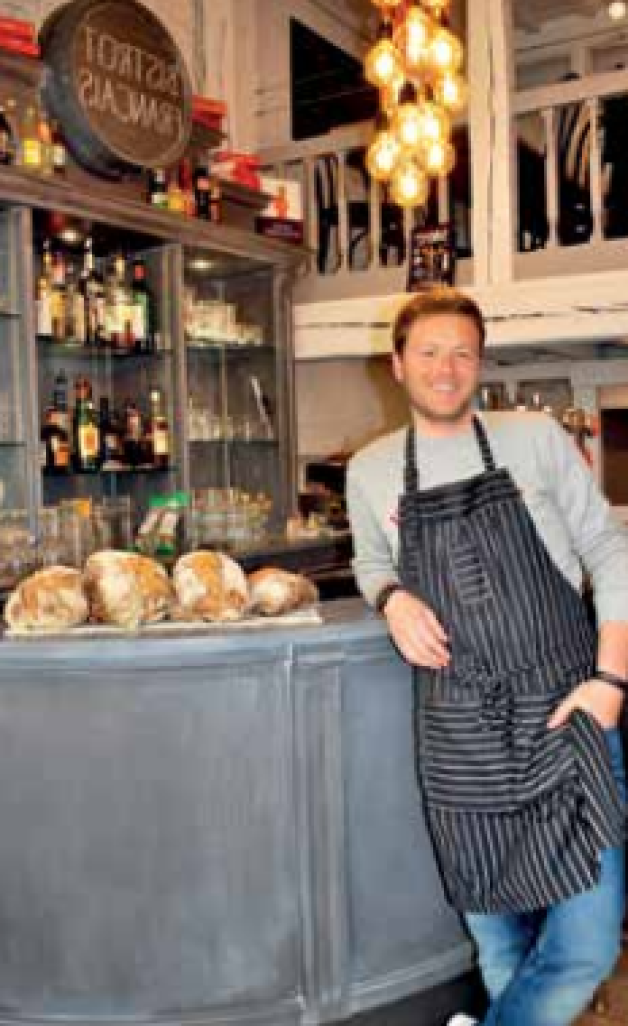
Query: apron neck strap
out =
(485, 449)
(411, 473)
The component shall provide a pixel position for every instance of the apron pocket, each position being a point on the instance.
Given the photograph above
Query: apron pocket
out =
(470, 578)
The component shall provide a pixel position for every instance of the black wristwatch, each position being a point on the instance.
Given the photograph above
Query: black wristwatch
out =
(384, 594)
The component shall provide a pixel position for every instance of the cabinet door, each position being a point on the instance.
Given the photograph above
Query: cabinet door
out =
(14, 484)
(236, 374)
(123, 374)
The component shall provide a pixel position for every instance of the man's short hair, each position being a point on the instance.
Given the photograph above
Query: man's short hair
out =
(432, 303)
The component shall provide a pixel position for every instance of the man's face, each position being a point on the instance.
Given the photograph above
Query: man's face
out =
(439, 369)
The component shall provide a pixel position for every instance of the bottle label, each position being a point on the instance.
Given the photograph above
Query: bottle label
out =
(88, 441)
(32, 153)
(138, 320)
(44, 317)
(160, 442)
(58, 156)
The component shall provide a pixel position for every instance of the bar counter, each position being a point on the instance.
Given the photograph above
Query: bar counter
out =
(215, 829)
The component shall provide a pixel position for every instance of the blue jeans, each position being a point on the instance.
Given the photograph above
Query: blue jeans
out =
(543, 968)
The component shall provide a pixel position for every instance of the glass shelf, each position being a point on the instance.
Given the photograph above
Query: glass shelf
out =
(6, 311)
(232, 441)
(212, 345)
(81, 352)
(107, 472)
(11, 445)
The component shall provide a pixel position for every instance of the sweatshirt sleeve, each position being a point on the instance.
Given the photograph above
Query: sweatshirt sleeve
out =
(373, 560)
(598, 537)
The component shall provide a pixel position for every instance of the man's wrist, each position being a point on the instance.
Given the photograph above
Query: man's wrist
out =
(384, 595)
(615, 679)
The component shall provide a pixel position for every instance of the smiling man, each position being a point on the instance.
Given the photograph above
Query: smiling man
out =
(471, 534)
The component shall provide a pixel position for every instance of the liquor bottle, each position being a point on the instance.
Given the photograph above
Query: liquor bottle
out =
(58, 298)
(30, 143)
(86, 432)
(111, 451)
(158, 188)
(93, 293)
(45, 141)
(142, 307)
(159, 434)
(202, 192)
(55, 443)
(176, 204)
(59, 152)
(44, 295)
(60, 401)
(7, 150)
(215, 205)
(187, 188)
(133, 433)
(76, 328)
(118, 307)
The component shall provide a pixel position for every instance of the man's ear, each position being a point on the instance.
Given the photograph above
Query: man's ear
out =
(397, 368)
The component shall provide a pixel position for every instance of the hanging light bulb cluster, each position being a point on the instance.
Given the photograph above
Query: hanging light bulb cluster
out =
(415, 65)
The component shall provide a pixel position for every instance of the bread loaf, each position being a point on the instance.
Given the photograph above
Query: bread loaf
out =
(210, 586)
(126, 589)
(277, 591)
(48, 600)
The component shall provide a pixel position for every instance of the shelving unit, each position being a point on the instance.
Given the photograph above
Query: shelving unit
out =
(248, 272)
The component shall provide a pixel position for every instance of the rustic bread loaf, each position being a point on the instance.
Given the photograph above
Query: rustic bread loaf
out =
(210, 586)
(48, 600)
(277, 591)
(126, 589)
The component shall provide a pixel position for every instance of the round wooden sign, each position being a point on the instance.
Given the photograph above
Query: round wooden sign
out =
(117, 84)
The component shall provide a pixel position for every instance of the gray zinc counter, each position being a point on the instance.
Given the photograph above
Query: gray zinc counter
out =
(214, 829)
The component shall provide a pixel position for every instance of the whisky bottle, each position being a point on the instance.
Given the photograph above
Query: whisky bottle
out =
(118, 312)
(111, 450)
(44, 295)
(45, 141)
(142, 309)
(176, 203)
(158, 188)
(30, 143)
(59, 152)
(133, 433)
(58, 298)
(76, 329)
(93, 293)
(159, 435)
(7, 150)
(187, 188)
(202, 192)
(60, 401)
(86, 433)
(55, 442)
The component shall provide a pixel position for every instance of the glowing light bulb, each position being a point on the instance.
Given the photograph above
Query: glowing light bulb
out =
(451, 92)
(409, 186)
(438, 158)
(381, 63)
(382, 156)
(617, 10)
(413, 39)
(434, 126)
(408, 125)
(387, 5)
(446, 51)
(389, 94)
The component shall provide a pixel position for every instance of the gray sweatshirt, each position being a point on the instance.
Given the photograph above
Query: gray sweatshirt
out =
(576, 523)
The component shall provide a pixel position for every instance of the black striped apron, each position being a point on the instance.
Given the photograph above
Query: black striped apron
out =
(518, 813)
